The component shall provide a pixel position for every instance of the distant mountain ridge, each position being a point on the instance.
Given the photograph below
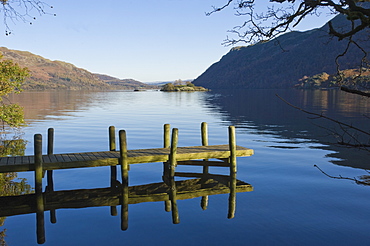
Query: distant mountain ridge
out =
(129, 83)
(47, 74)
(281, 62)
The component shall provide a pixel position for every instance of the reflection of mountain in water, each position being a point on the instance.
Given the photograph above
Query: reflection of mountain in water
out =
(54, 103)
(263, 112)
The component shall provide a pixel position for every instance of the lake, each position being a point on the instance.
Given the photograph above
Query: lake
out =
(292, 202)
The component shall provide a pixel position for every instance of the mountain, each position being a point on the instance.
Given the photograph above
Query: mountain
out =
(281, 62)
(47, 74)
(124, 83)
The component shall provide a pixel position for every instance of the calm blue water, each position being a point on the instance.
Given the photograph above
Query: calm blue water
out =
(293, 203)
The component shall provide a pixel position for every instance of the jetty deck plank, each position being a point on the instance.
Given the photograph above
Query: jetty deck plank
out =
(110, 158)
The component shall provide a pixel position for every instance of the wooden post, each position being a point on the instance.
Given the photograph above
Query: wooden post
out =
(166, 144)
(173, 151)
(166, 135)
(204, 129)
(124, 172)
(50, 182)
(113, 169)
(232, 197)
(204, 202)
(40, 223)
(232, 147)
(112, 138)
(167, 205)
(50, 141)
(172, 193)
(232, 161)
(40, 226)
(204, 133)
(38, 162)
(112, 147)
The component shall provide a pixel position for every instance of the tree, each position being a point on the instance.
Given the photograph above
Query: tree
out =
(189, 84)
(178, 82)
(282, 15)
(22, 10)
(12, 77)
(168, 87)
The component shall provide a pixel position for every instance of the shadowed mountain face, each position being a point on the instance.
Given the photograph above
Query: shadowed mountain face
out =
(47, 74)
(281, 62)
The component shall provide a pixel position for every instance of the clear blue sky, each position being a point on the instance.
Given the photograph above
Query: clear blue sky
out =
(148, 40)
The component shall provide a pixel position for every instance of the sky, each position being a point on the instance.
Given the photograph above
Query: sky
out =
(147, 40)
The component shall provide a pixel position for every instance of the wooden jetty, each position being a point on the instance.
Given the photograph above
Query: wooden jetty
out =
(110, 158)
(171, 155)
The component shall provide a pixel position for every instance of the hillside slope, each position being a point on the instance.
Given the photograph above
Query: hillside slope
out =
(47, 74)
(281, 62)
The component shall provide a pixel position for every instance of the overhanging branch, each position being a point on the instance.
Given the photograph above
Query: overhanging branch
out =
(325, 117)
(357, 92)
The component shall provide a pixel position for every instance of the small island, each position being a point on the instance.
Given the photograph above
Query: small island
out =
(179, 85)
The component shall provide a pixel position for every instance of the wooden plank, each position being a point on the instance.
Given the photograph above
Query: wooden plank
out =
(11, 161)
(87, 156)
(66, 158)
(148, 155)
(203, 163)
(46, 159)
(200, 175)
(111, 154)
(210, 152)
(4, 161)
(77, 164)
(59, 158)
(25, 159)
(73, 157)
(189, 175)
(96, 155)
(18, 160)
(52, 158)
(78, 157)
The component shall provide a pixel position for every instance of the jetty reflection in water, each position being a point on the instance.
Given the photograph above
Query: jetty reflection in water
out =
(203, 186)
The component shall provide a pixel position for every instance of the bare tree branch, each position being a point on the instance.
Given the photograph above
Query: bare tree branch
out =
(282, 15)
(22, 10)
(347, 136)
(324, 117)
(215, 9)
(365, 177)
(357, 92)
